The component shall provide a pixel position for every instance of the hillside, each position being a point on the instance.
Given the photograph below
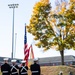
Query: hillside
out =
(54, 70)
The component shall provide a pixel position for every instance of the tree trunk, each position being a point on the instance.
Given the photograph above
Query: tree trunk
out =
(62, 57)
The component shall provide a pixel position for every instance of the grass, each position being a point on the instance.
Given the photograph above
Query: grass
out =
(54, 70)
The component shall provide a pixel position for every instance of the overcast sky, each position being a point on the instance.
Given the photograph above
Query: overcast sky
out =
(22, 16)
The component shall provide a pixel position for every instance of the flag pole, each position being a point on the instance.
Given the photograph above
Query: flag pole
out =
(13, 6)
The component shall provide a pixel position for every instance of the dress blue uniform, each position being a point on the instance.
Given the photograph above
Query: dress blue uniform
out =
(14, 68)
(23, 69)
(5, 68)
(35, 68)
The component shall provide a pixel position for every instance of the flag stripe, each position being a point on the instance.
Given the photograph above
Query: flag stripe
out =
(32, 52)
(26, 48)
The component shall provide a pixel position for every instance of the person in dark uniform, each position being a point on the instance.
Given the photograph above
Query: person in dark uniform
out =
(23, 69)
(35, 68)
(5, 68)
(14, 68)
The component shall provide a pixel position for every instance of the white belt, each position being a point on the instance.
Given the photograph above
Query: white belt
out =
(5, 71)
(24, 73)
(13, 67)
(23, 68)
(34, 71)
(14, 72)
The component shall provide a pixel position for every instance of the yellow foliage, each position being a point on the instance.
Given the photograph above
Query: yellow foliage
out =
(36, 7)
(72, 0)
(39, 4)
(33, 29)
(39, 43)
(62, 11)
(72, 29)
(54, 20)
(45, 1)
(63, 4)
(32, 25)
(60, 8)
(36, 12)
(45, 49)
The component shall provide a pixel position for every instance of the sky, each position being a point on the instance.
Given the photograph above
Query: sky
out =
(22, 16)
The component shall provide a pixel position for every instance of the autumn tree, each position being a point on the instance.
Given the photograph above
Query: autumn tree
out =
(53, 28)
(64, 17)
(39, 24)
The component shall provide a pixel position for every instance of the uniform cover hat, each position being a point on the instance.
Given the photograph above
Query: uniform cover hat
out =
(23, 61)
(35, 59)
(5, 59)
(13, 60)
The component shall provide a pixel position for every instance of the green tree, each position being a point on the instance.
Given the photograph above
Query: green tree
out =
(52, 28)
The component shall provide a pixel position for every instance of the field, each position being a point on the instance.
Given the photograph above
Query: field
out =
(54, 70)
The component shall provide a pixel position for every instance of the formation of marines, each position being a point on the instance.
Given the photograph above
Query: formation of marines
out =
(14, 69)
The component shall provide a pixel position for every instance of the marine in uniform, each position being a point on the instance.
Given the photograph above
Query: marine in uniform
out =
(23, 69)
(14, 68)
(5, 68)
(35, 68)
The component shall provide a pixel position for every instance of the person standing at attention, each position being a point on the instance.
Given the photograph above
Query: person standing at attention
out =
(35, 68)
(5, 68)
(23, 69)
(14, 68)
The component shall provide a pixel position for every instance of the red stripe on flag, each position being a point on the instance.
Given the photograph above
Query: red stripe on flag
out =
(26, 48)
(26, 54)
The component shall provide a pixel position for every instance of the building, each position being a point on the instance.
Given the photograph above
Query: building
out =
(50, 61)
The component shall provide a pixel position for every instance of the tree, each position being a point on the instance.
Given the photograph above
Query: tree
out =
(39, 24)
(64, 16)
(52, 29)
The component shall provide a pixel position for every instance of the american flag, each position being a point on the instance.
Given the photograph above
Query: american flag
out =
(26, 48)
